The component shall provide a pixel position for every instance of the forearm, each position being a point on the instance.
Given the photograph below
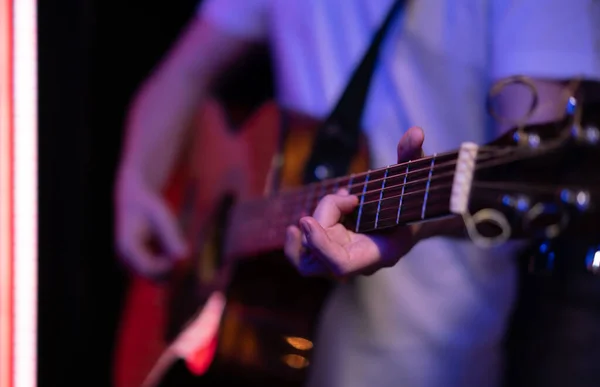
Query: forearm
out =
(166, 105)
(160, 116)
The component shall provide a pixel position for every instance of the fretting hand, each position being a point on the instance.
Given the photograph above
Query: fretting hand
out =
(322, 246)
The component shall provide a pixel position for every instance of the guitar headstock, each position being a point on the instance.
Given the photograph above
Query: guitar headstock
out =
(539, 180)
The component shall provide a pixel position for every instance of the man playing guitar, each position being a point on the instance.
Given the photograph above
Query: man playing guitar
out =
(437, 316)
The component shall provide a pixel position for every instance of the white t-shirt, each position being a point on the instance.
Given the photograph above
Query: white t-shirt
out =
(437, 318)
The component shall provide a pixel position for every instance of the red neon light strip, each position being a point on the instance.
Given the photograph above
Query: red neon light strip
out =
(6, 195)
(25, 192)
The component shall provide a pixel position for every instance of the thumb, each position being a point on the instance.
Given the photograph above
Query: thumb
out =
(332, 254)
(166, 227)
(410, 145)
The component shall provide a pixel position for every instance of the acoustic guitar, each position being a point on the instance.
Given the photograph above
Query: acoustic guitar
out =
(237, 307)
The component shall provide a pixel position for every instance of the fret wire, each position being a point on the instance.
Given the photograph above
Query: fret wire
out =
(406, 218)
(411, 213)
(409, 205)
(296, 200)
(408, 165)
(412, 195)
(427, 187)
(381, 195)
(424, 160)
(380, 218)
(293, 200)
(420, 165)
(350, 182)
(402, 193)
(394, 172)
(362, 200)
(414, 206)
(411, 164)
(295, 196)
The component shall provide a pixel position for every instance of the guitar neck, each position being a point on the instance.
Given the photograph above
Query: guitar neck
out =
(401, 194)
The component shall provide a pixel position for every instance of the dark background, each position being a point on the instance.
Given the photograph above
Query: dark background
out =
(92, 57)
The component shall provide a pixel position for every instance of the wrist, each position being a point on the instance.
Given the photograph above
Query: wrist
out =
(140, 162)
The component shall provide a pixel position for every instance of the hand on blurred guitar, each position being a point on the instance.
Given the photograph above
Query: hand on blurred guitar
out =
(322, 246)
(142, 216)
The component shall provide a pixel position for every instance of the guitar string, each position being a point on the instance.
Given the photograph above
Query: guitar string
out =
(296, 199)
(412, 212)
(491, 163)
(378, 190)
(289, 197)
(426, 162)
(484, 165)
(480, 165)
(495, 188)
(433, 206)
(490, 191)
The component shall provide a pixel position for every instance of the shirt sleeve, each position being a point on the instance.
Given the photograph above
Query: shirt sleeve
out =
(243, 18)
(555, 39)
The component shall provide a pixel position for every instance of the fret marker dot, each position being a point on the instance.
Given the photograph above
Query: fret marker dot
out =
(322, 172)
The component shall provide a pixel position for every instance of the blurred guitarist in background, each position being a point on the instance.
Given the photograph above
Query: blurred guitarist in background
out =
(437, 317)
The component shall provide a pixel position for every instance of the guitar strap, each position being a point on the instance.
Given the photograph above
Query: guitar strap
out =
(337, 139)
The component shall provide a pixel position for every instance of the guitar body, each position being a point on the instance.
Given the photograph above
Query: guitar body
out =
(267, 326)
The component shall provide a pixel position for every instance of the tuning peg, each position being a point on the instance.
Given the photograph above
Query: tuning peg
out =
(551, 256)
(541, 259)
(531, 140)
(578, 199)
(591, 135)
(592, 260)
(588, 135)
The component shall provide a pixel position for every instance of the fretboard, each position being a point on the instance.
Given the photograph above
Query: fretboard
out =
(400, 194)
